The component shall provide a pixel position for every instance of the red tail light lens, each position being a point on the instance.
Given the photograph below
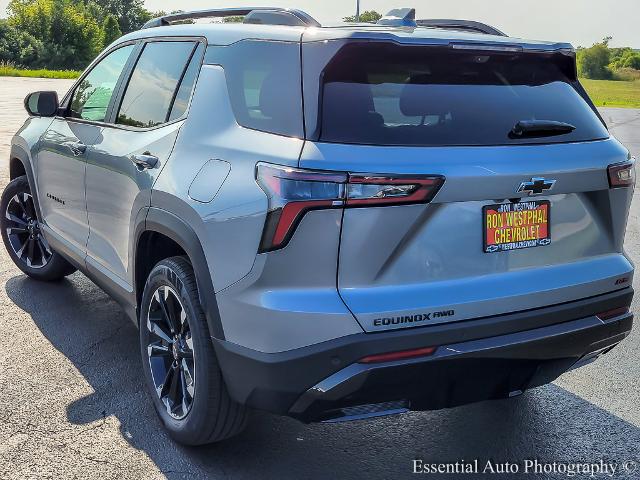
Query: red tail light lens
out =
(622, 175)
(616, 312)
(292, 192)
(404, 355)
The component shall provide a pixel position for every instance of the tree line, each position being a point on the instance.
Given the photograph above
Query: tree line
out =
(68, 34)
(65, 34)
(601, 62)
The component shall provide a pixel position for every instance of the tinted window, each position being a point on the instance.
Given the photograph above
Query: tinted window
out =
(263, 79)
(92, 96)
(181, 102)
(151, 89)
(394, 95)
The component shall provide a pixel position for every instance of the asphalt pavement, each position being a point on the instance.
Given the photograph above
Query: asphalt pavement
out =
(72, 404)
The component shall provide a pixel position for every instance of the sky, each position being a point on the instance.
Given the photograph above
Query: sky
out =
(580, 22)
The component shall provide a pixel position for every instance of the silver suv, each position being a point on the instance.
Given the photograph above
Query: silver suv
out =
(331, 223)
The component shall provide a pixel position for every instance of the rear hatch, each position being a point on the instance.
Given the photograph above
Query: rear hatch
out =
(522, 209)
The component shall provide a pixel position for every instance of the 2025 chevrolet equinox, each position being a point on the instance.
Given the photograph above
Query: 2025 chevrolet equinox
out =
(331, 223)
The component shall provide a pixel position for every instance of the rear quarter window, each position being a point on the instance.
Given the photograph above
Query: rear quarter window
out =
(385, 94)
(264, 84)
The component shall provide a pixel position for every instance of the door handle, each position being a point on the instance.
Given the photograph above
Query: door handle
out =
(77, 148)
(144, 161)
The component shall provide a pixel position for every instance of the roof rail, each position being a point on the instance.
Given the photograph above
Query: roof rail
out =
(278, 16)
(466, 25)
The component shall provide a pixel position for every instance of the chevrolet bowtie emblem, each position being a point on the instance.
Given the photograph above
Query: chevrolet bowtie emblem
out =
(537, 186)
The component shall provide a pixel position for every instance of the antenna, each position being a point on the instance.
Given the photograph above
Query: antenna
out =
(358, 11)
(400, 17)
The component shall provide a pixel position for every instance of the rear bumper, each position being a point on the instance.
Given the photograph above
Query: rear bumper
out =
(476, 360)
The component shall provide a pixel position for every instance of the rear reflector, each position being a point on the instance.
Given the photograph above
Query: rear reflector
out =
(622, 175)
(609, 314)
(293, 191)
(404, 355)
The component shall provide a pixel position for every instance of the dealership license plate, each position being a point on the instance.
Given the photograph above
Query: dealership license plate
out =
(514, 226)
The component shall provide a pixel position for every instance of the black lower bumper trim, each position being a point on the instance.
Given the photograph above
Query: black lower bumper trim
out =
(502, 354)
(467, 372)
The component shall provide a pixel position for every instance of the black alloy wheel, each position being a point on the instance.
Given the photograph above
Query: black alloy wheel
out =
(170, 352)
(23, 232)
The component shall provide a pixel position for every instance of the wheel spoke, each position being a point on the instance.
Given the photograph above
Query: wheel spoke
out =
(174, 389)
(43, 250)
(158, 350)
(17, 220)
(184, 393)
(30, 251)
(163, 389)
(153, 325)
(16, 230)
(164, 307)
(187, 372)
(27, 203)
(21, 250)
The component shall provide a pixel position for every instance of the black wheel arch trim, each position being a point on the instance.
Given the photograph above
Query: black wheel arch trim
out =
(20, 154)
(173, 227)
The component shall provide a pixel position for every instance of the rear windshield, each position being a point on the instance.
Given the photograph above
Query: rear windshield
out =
(386, 94)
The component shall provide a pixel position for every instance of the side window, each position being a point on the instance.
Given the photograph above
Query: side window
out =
(264, 82)
(150, 93)
(181, 102)
(92, 96)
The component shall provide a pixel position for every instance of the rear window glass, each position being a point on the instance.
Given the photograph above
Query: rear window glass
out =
(153, 84)
(380, 94)
(264, 83)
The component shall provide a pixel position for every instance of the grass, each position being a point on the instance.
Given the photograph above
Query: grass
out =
(11, 71)
(613, 93)
(604, 93)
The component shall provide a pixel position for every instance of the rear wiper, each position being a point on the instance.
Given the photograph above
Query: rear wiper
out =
(540, 128)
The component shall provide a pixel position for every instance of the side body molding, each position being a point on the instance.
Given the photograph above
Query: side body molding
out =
(168, 224)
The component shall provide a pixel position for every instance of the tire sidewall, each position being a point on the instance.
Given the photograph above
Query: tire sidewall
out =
(184, 429)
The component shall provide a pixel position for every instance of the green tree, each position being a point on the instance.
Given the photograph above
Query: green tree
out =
(111, 29)
(370, 16)
(70, 35)
(594, 62)
(624, 58)
(233, 19)
(131, 14)
(18, 48)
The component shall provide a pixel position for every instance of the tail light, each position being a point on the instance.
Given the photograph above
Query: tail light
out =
(616, 312)
(622, 175)
(403, 355)
(292, 192)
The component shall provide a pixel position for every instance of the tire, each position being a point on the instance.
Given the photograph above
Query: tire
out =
(181, 370)
(22, 237)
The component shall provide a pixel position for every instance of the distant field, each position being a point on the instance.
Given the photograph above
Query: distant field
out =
(9, 71)
(610, 93)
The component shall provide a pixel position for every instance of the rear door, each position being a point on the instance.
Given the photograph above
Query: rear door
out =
(525, 216)
(123, 165)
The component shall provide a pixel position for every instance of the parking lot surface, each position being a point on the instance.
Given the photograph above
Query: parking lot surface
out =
(72, 403)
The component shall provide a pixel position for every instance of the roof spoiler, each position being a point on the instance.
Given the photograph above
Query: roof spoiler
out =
(264, 15)
(466, 25)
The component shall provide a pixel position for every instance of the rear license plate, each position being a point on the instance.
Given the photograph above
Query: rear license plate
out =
(514, 226)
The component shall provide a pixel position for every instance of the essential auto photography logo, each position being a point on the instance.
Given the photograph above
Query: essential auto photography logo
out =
(595, 469)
